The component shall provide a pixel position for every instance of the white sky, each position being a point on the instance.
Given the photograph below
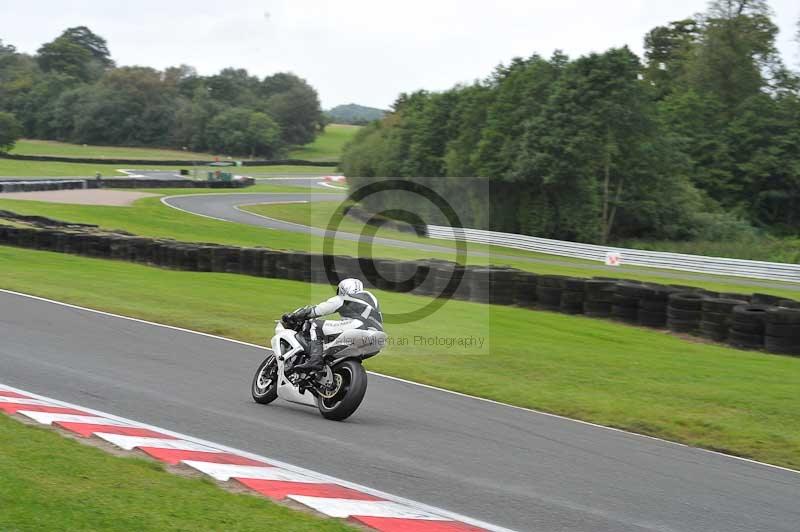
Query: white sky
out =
(362, 51)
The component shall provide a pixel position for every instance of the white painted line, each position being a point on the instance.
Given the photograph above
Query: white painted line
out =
(48, 418)
(443, 390)
(344, 508)
(226, 472)
(131, 442)
(23, 401)
(331, 186)
(276, 463)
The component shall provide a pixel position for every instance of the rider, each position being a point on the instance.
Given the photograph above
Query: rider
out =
(359, 310)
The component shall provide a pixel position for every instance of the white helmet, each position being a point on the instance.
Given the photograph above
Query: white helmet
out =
(349, 287)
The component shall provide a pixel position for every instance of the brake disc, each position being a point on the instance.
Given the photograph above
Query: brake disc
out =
(329, 383)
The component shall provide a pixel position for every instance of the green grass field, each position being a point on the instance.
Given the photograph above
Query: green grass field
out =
(38, 169)
(328, 146)
(149, 217)
(49, 482)
(741, 402)
(64, 149)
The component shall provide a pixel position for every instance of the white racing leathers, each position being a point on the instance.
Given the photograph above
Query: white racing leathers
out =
(358, 311)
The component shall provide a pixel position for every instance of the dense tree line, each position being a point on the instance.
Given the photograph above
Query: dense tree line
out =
(698, 139)
(71, 90)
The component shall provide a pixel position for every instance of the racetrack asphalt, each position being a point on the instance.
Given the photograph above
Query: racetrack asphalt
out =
(224, 206)
(504, 465)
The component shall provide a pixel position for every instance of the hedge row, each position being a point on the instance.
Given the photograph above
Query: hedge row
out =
(748, 321)
(184, 162)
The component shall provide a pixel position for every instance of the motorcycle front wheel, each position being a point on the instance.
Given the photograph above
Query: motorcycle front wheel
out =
(350, 380)
(265, 382)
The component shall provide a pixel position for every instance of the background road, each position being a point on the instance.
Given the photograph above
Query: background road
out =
(503, 465)
(223, 206)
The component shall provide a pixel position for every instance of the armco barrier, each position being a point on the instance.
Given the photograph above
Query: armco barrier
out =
(629, 301)
(774, 271)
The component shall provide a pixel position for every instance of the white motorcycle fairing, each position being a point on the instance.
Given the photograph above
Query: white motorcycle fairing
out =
(286, 389)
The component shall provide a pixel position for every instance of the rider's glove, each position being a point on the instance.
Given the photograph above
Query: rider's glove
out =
(299, 316)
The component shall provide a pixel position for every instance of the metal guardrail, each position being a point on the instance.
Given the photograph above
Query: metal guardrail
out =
(775, 271)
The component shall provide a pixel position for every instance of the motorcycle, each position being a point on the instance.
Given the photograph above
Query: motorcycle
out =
(336, 390)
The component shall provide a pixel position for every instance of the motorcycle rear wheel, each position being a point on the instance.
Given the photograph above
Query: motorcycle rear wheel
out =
(264, 388)
(351, 380)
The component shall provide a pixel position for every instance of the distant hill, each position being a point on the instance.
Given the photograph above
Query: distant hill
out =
(352, 113)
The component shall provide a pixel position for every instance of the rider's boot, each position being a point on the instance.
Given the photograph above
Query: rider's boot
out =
(314, 362)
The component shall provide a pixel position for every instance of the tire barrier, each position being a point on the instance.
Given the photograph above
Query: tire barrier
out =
(369, 218)
(120, 182)
(548, 291)
(747, 326)
(40, 185)
(625, 303)
(716, 317)
(653, 303)
(737, 319)
(573, 295)
(136, 182)
(599, 297)
(685, 311)
(782, 330)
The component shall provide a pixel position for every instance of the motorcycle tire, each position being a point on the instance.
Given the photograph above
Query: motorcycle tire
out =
(263, 389)
(350, 393)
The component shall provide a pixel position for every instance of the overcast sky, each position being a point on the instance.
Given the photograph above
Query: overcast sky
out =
(362, 51)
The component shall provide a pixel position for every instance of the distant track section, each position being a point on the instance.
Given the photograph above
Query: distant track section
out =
(773, 271)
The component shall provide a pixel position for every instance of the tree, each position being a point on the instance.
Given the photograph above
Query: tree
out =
(590, 137)
(10, 131)
(667, 50)
(737, 56)
(77, 52)
(243, 132)
(294, 104)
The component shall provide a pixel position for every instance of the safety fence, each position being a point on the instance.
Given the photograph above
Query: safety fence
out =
(775, 271)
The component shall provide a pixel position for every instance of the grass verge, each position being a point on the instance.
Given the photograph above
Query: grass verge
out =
(50, 482)
(41, 169)
(741, 402)
(149, 217)
(328, 145)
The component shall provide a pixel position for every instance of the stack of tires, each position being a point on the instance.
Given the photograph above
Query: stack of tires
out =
(747, 326)
(480, 284)
(782, 331)
(503, 288)
(685, 311)
(653, 306)
(598, 297)
(548, 291)
(765, 299)
(525, 291)
(572, 296)
(625, 304)
(717, 316)
(789, 303)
